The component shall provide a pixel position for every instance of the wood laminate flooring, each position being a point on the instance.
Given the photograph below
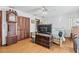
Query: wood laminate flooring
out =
(26, 46)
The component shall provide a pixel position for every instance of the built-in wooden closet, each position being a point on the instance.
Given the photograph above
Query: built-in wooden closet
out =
(0, 28)
(23, 27)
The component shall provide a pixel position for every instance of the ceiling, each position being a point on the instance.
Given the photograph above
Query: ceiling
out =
(51, 10)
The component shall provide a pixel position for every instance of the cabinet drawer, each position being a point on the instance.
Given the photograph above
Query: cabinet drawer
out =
(43, 40)
(11, 40)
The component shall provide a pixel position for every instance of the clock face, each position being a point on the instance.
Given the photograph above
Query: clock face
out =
(12, 17)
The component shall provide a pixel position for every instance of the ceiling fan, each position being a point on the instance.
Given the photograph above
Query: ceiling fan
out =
(42, 11)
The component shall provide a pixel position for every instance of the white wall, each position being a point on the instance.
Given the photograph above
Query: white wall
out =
(4, 24)
(60, 22)
(66, 22)
(4, 27)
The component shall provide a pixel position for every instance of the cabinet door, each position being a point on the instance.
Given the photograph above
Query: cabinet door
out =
(27, 28)
(0, 28)
(20, 24)
(23, 24)
(24, 27)
(18, 28)
(11, 29)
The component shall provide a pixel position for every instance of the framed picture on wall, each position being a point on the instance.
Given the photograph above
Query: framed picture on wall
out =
(33, 21)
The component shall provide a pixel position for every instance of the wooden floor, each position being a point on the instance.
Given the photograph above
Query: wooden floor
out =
(26, 46)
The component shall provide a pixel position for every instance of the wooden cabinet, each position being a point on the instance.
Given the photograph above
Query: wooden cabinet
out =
(44, 40)
(23, 24)
(0, 28)
(11, 25)
(11, 40)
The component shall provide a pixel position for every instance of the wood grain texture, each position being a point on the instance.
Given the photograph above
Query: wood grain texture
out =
(23, 24)
(0, 28)
(11, 25)
(26, 46)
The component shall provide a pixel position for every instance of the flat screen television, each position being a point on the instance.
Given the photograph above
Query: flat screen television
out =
(44, 28)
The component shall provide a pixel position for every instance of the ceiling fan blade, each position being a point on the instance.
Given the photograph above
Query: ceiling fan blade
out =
(39, 9)
(33, 10)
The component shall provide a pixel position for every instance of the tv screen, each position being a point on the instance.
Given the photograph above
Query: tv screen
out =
(44, 28)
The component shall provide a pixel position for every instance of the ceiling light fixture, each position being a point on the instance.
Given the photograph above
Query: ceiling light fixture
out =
(44, 12)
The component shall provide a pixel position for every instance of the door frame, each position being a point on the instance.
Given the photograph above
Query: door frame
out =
(1, 28)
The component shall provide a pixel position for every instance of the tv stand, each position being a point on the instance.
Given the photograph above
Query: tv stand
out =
(44, 40)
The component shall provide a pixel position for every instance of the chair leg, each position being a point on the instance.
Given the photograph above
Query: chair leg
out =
(60, 42)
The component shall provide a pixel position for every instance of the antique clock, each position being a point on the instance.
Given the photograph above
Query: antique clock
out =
(11, 17)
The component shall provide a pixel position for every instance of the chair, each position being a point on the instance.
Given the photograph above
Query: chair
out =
(58, 35)
(33, 36)
(61, 37)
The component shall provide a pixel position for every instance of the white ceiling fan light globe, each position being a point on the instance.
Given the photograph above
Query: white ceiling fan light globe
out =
(44, 12)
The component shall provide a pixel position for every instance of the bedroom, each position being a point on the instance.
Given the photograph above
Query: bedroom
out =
(62, 18)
